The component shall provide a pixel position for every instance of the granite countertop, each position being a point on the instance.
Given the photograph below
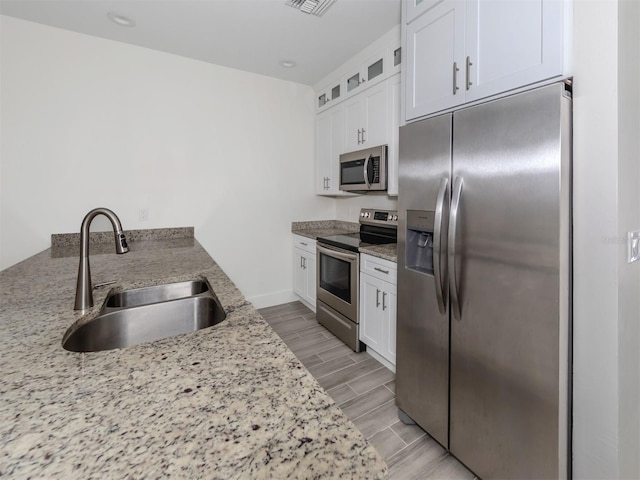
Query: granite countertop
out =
(323, 228)
(229, 401)
(387, 251)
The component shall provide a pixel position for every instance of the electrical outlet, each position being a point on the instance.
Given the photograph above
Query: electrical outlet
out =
(633, 245)
(143, 214)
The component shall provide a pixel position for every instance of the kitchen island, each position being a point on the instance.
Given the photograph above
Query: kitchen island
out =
(229, 401)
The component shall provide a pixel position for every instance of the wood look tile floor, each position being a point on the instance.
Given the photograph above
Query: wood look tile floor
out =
(365, 390)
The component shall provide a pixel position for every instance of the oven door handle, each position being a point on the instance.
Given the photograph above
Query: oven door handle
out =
(348, 257)
(366, 171)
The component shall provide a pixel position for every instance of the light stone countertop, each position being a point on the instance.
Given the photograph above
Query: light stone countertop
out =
(324, 228)
(229, 401)
(388, 251)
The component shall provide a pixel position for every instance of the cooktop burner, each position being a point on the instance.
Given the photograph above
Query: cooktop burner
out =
(377, 227)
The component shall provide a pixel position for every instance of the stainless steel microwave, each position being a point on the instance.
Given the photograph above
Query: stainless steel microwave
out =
(364, 170)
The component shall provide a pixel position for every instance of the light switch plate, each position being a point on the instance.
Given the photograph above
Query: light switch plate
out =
(633, 246)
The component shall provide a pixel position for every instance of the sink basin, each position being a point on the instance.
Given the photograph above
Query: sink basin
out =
(139, 319)
(156, 293)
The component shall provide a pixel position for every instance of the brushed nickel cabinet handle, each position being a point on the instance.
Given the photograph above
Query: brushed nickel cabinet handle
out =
(468, 72)
(455, 77)
(386, 272)
(377, 298)
(384, 296)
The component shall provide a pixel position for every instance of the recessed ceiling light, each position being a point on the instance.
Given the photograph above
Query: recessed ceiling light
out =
(288, 63)
(121, 20)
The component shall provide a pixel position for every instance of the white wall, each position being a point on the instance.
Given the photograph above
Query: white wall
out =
(629, 219)
(606, 431)
(90, 122)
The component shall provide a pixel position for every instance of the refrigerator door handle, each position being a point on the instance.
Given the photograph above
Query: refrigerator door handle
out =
(453, 224)
(438, 274)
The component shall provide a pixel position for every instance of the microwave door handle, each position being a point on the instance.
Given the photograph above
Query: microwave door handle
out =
(366, 172)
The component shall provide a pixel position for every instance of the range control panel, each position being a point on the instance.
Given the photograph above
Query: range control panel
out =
(387, 218)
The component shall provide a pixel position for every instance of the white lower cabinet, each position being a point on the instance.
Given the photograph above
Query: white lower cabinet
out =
(304, 270)
(378, 308)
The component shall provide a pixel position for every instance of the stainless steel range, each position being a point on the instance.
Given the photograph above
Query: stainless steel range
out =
(338, 272)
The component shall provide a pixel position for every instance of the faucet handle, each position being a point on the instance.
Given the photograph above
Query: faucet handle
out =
(121, 243)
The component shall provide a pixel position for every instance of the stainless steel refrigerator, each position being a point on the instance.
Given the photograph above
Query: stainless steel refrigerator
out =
(484, 283)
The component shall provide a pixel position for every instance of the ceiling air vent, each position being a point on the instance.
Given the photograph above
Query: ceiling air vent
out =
(314, 7)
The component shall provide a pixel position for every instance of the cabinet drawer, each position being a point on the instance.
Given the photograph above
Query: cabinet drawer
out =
(304, 243)
(379, 268)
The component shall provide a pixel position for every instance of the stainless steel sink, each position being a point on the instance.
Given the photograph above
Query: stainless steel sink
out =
(156, 293)
(133, 322)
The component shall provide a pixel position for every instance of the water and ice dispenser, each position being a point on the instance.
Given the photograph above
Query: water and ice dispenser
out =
(419, 243)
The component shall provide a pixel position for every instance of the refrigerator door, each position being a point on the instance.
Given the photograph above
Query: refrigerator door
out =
(422, 368)
(509, 232)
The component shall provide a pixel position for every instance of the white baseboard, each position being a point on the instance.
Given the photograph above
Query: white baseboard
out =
(271, 299)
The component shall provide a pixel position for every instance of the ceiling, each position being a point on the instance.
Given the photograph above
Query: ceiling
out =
(251, 35)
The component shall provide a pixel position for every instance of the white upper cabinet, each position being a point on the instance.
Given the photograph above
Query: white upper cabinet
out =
(366, 119)
(393, 92)
(369, 73)
(358, 107)
(330, 95)
(435, 56)
(330, 143)
(461, 51)
(415, 8)
(510, 44)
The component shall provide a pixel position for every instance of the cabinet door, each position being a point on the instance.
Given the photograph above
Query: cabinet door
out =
(371, 316)
(390, 315)
(330, 138)
(323, 151)
(375, 129)
(512, 44)
(337, 147)
(354, 121)
(366, 118)
(310, 264)
(393, 93)
(435, 60)
(299, 274)
(415, 8)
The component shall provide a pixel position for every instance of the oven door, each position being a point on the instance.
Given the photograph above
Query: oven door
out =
(337, 280)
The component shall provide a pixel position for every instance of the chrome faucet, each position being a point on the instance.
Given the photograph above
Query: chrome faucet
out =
(84, 292)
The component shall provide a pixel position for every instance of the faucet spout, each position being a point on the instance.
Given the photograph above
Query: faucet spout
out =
(84, 291)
